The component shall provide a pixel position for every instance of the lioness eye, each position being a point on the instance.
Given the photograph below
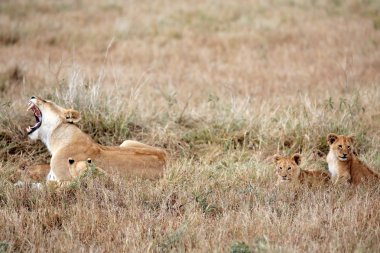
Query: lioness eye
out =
(348, 147)
(280, 168)
(289, 168)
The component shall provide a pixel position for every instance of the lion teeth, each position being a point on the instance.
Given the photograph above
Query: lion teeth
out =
(30, 107)
(29, 129)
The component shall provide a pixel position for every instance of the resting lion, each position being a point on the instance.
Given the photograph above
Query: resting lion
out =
(344, 166)
(33, 173)
(79, 168)
(54, 127)
(288, 171)
(38, 172)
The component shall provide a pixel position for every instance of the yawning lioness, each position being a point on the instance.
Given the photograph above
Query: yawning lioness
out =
(54, 127)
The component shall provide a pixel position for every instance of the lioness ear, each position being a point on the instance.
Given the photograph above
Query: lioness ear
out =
(297, 158)
(276, 158)
(71, 161)
(331, 138)
(72, 116)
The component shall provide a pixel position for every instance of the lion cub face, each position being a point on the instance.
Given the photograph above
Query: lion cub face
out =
(287, 168)
(341, 146)
(48, 116)
(78, 168)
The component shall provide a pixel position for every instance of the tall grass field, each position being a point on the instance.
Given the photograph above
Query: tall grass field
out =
(222, 86)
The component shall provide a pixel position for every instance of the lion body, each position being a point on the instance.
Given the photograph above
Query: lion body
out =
(147, 162)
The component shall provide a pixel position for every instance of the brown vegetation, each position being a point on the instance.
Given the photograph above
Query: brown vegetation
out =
(222, 86)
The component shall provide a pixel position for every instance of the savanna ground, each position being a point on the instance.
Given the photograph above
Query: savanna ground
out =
(222, 86)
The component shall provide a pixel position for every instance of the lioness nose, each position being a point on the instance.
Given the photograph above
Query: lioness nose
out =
(33, 97)
(284, 177)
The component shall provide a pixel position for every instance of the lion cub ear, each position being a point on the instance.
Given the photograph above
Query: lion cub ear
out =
(331, 138)
(297, 158)
(71, 161)
(276, 158)
(72, 116)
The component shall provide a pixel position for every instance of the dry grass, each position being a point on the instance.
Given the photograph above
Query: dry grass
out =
(222, 86)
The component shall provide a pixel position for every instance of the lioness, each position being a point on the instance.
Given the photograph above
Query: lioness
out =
(288, 171)
(343, 163)
(54, 127)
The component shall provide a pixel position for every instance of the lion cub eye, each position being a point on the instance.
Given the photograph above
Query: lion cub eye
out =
(340, 146)
(289, 168)
(348, 147)
(280, 168)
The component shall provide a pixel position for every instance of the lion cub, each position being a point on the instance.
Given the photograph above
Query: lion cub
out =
(288, 171)
(343, 163)
(35, 173)
(79, 168)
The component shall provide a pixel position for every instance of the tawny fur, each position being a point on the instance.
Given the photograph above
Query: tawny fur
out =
(34, 173)
(78, 168)
(39, 172)
(65, 140)
(343, 164)
(288, 171)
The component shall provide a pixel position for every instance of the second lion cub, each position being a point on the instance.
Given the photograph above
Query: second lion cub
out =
(288, 171)
(344, 166)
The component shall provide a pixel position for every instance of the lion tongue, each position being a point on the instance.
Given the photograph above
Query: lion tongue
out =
(36, 111)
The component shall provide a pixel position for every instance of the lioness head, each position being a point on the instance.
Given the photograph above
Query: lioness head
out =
(48, 116)
(78, 168)
(341, 146)
(287, 168)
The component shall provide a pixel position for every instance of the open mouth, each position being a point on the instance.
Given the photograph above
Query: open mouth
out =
(37, 114)
(343, 158)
